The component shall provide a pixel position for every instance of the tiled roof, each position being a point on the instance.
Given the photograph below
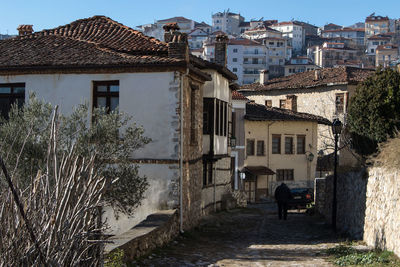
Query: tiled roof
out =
(59, 51)
(238, 96)
(107, 33)
(243, 41)
(338, 75)
(346, 29)
(283, 23)
(387, 47)
(174, 19)
(257, 112)
(380, 36)
(201, 24)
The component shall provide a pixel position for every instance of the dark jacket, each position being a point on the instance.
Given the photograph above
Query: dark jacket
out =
(282, 193)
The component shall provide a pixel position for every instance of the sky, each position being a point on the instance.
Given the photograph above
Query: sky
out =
(46, 14)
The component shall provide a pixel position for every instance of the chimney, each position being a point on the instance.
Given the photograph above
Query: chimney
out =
(291, 102)
(221, 42)
(317, 75)
(264, 76)
(25, 29)
(177, 42)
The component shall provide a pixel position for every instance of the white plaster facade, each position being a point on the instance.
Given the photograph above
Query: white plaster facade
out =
(152, 99)
(294, 32)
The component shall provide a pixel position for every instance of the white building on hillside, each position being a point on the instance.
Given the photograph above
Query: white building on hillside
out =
(245, 58)
(294, 31)
(227, 22)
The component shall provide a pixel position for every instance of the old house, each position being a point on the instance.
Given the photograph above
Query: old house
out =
(280, 147)
(385, 54)
(238, 138)
(107, 64)
(216, 130)
(324, 92)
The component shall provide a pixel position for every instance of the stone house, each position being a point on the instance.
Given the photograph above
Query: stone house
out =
(280, 147)
(324, 92)
(107, 64)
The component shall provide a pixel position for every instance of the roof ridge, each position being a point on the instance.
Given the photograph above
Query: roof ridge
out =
(87, 28)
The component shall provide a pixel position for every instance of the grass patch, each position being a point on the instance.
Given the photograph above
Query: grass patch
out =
(346, 255)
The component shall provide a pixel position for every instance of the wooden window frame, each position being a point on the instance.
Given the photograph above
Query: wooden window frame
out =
(284, 175)
(302, 138)
(289, 150)
(252, 146)
(12, 96)
(208, 116)
(282, 103)
(108, 95)
(279, 144)
(260, 152)
(339, 107)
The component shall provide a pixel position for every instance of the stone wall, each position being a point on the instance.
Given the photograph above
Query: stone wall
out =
(367, 205)
(382, 215)
(351, 188)
(155, 231)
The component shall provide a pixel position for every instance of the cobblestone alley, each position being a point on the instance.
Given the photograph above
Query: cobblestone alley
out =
(249, 237)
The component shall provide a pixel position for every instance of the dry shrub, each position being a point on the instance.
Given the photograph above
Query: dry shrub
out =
(388, 155)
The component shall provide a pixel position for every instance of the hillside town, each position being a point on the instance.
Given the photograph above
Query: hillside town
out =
(244, 142)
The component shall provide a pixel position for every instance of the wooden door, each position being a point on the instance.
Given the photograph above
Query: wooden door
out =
(250, 189)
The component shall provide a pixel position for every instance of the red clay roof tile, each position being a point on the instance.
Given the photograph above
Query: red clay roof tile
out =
(341, 75)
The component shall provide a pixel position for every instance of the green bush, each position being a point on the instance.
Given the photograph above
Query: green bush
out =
(374, 113)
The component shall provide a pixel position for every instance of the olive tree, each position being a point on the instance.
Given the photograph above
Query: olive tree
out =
(60, 170)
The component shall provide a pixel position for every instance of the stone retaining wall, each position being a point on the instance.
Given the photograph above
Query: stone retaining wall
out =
(351, 188)
(382, 215)
(152, 233)
(367, 205)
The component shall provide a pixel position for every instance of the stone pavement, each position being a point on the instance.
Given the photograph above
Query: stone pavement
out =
(249, 237)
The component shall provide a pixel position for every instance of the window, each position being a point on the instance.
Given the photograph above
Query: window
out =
(106, 95)
(284, 175)
(255, 61)
(282, 103)
(234, 59)
(260, 148)
(276, 144)
(268, 103)
(301, 144)
(235, 50)
(339, 103)
(234, 69)
(10, 94)
(217, 117)
(250, 147)
(208, 115)
(288, 145)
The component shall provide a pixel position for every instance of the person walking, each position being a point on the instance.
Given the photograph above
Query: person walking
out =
(282, 197)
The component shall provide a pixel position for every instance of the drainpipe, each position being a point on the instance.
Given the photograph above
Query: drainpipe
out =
(181, 144)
